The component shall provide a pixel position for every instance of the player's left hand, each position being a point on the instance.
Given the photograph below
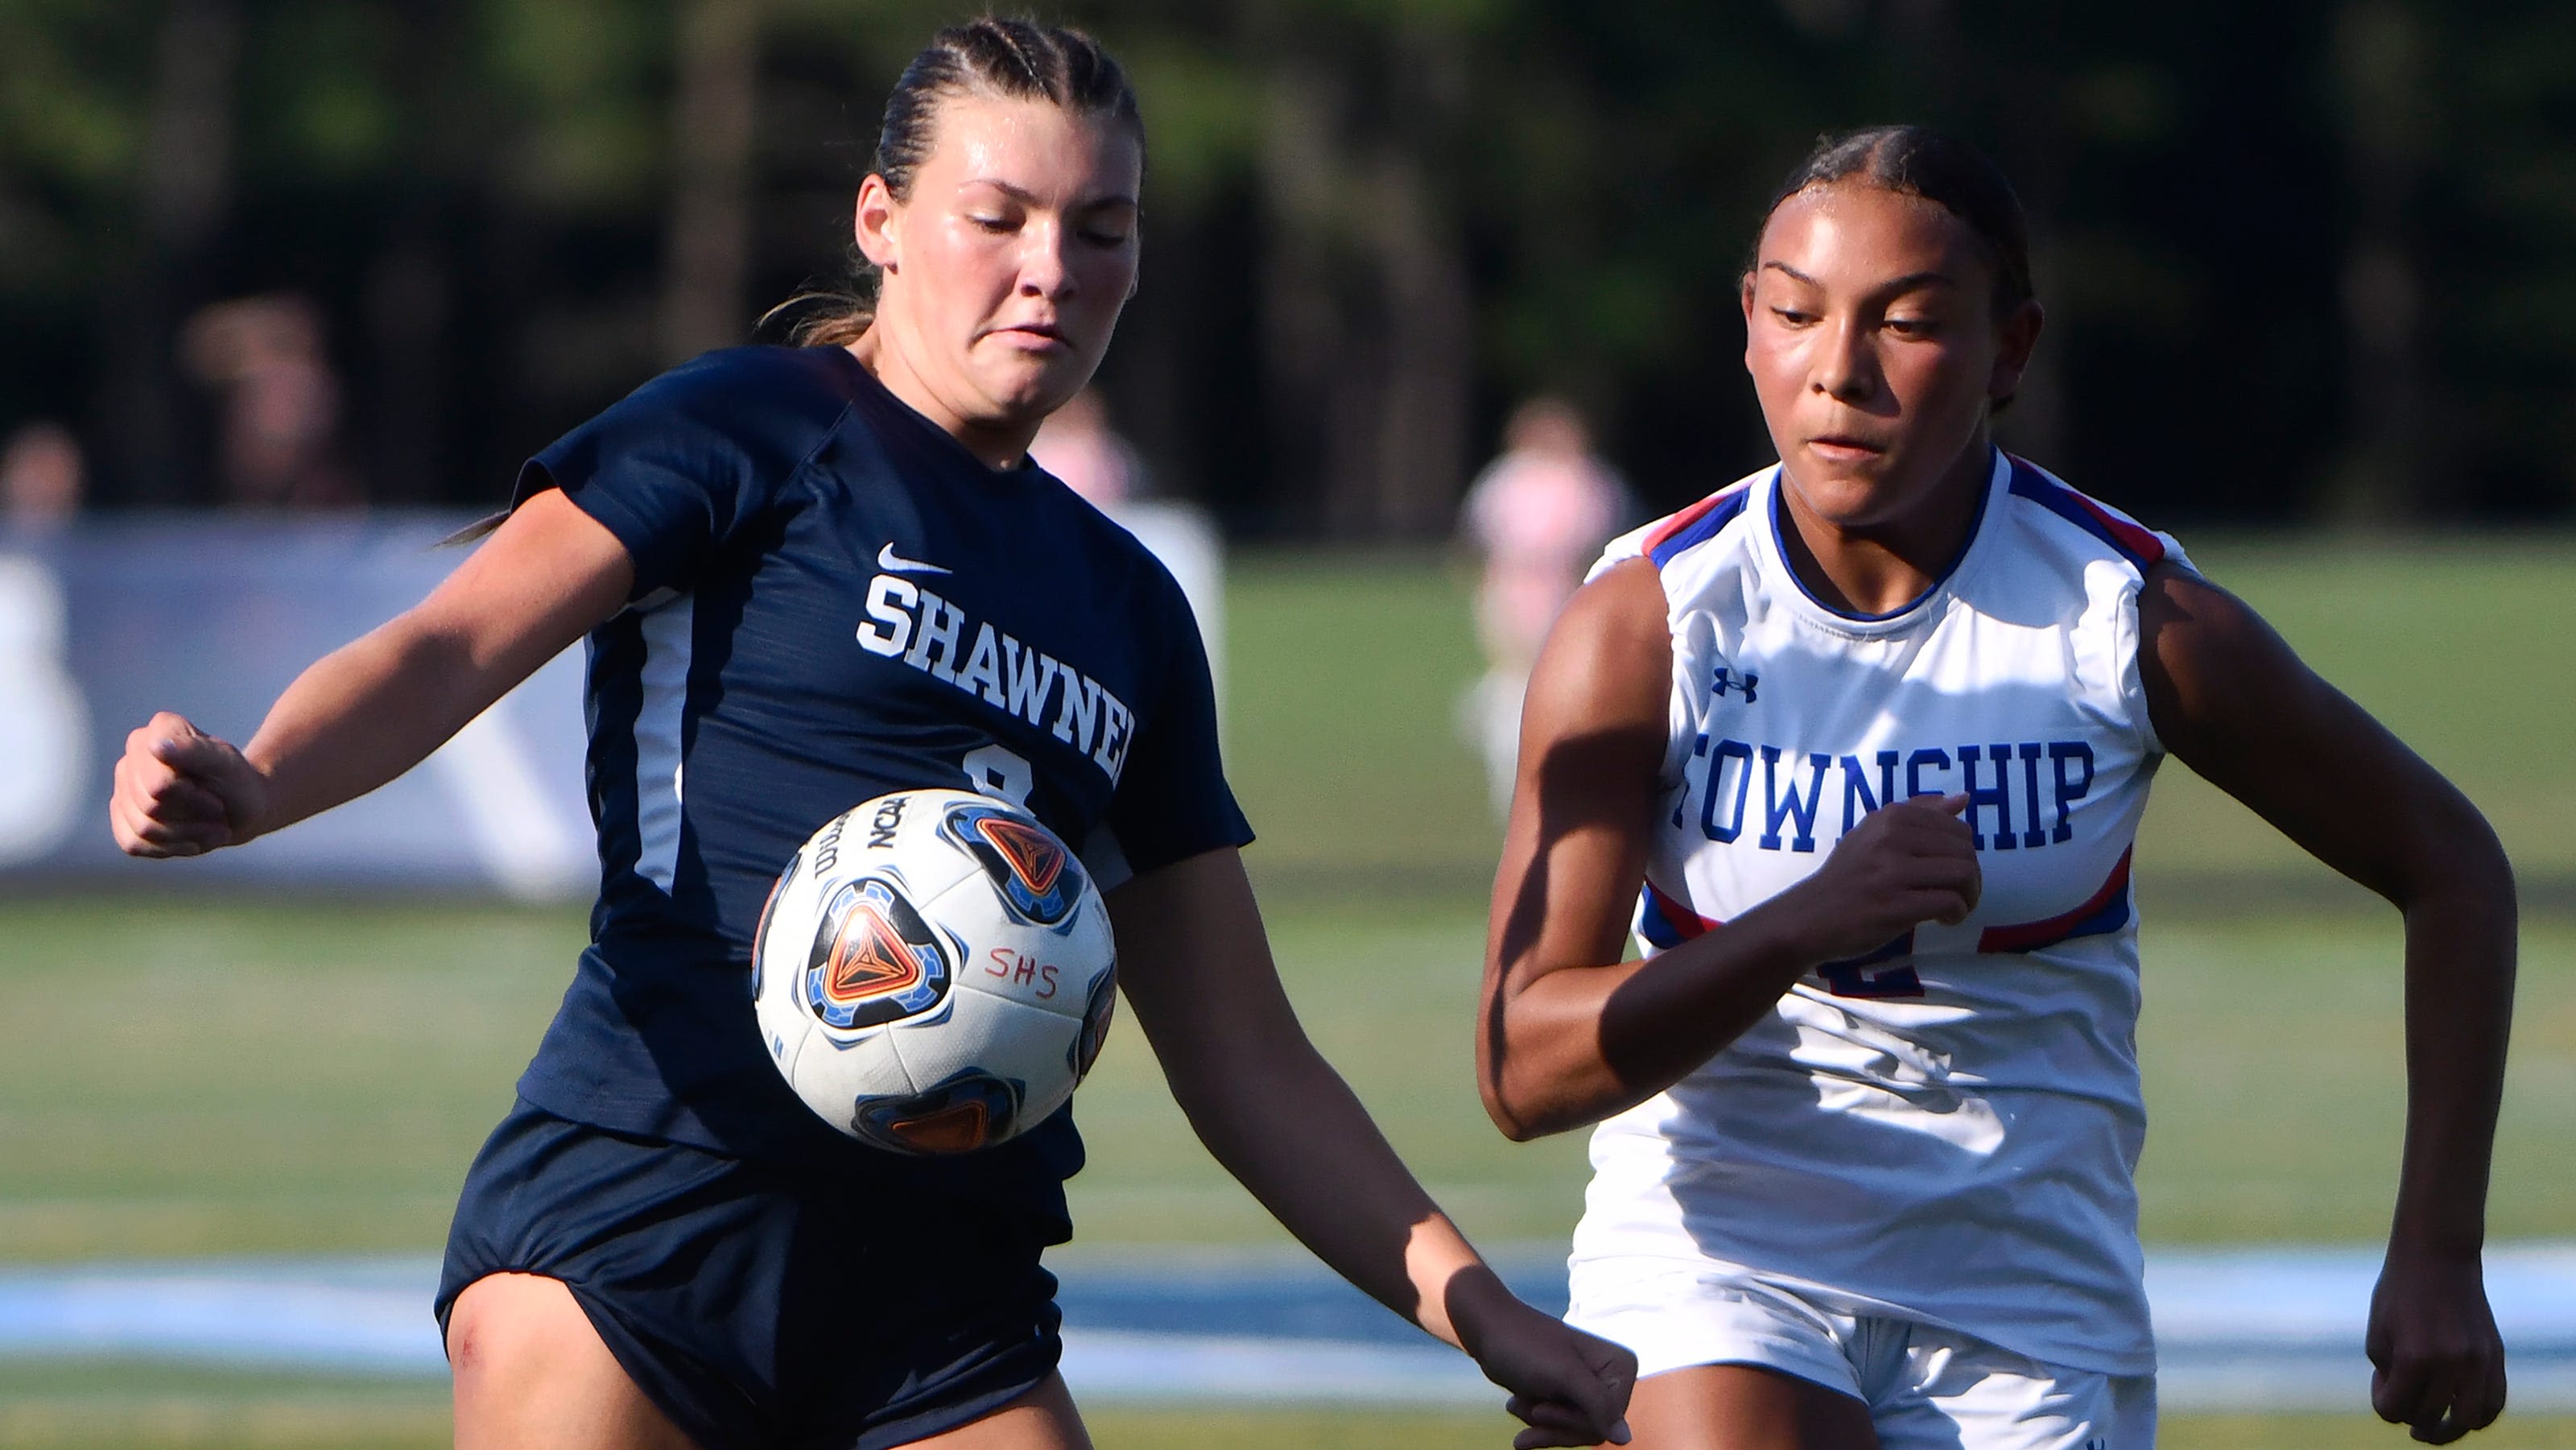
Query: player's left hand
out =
(2438, 1361)
(1569, 1387)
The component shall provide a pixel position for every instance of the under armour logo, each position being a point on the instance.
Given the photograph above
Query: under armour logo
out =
(1724, 680)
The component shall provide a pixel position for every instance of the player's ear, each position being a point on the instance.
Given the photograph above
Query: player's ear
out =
(2016, 336)
(1744, 300)
(876, 226)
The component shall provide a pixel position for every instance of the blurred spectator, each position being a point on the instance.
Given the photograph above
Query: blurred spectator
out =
(1077, 445)
(42, 477)
(280, 407)
(1538, 516)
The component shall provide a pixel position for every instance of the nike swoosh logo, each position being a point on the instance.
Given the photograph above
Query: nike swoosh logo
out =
(894, 563)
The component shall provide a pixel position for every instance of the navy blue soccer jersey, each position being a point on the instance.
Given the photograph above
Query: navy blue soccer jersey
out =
(833, 599)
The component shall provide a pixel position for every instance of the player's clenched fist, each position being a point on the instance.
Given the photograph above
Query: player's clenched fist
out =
(1570, 1388)
(1907, 863)
(182, 792)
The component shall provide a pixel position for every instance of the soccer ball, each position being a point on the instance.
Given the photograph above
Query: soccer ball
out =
(933, 972)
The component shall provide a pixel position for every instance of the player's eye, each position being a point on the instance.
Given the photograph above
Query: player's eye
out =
(1793, 316)
(1100, 238)
(987, 223)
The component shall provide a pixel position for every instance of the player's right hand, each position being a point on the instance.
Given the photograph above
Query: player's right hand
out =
(182, 792)
(1568, 1387)
(1906, 863)
(2437, 1361)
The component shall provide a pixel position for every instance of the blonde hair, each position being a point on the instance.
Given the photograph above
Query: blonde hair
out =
(1013, 59)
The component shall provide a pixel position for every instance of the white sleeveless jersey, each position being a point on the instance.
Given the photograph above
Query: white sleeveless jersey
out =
(1945, 1128)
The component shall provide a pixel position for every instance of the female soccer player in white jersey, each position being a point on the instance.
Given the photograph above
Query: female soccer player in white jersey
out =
(1859, 745)
(787, 562)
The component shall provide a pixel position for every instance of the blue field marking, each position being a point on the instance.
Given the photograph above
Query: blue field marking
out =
(346, 1315)
(2240, 1329)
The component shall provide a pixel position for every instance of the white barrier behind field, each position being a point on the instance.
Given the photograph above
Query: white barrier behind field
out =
(2270, 1328)
(212, 616)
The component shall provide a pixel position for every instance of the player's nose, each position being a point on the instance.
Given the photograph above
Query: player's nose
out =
(1844, 366)
(1045, 270)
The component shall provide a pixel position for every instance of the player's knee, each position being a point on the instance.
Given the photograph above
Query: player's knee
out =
(507, 1326)
(531, 1370)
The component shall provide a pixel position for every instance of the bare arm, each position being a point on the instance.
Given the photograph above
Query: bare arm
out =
(2231, 700)
(1196, 967)
(1567, 1033)
(377, 706)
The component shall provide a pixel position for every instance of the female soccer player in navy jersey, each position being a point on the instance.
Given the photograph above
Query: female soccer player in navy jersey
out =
(785, 560)
(1859, 744)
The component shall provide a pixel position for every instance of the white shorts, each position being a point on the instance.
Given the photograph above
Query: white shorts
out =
(1928, 1387)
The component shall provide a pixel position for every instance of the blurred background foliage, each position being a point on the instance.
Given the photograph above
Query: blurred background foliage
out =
(2306, 261)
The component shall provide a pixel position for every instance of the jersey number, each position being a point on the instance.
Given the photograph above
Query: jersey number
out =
(997, 772)
(1846, 979)
(1854, 977)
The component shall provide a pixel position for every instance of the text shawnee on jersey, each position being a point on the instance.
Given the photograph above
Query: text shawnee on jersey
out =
(833, 600)
(1945, 1128)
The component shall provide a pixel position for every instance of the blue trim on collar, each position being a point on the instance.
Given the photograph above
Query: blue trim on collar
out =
(1976, 530)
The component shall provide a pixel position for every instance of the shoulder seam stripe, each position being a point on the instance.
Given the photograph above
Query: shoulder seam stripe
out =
(1696, 524)
(2133, 541)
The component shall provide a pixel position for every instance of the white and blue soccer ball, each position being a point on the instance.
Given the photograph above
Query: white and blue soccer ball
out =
(934, 972)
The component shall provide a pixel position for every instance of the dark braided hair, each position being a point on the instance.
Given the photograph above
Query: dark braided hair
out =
(1020, 60)
(1950, 174)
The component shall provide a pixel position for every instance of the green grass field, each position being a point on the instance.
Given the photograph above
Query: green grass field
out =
(193, 1075)
(286, 1080)
(131, 1407)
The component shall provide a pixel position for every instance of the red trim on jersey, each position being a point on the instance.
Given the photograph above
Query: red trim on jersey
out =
(1655, 538)
(2032, 935)
(1684, 922)
(2139, 541)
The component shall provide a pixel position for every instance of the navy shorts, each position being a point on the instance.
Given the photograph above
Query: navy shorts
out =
(758, 1306)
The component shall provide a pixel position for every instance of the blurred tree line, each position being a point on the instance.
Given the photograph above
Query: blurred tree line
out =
(2312, 259)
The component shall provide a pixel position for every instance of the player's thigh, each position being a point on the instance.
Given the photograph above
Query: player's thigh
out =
(1744, 1407)
(1962, 1392)
(1042, 1419)
(1728, 1360)
(532, 1374)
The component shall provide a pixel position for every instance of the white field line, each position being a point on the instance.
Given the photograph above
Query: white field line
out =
(2241, 1329)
